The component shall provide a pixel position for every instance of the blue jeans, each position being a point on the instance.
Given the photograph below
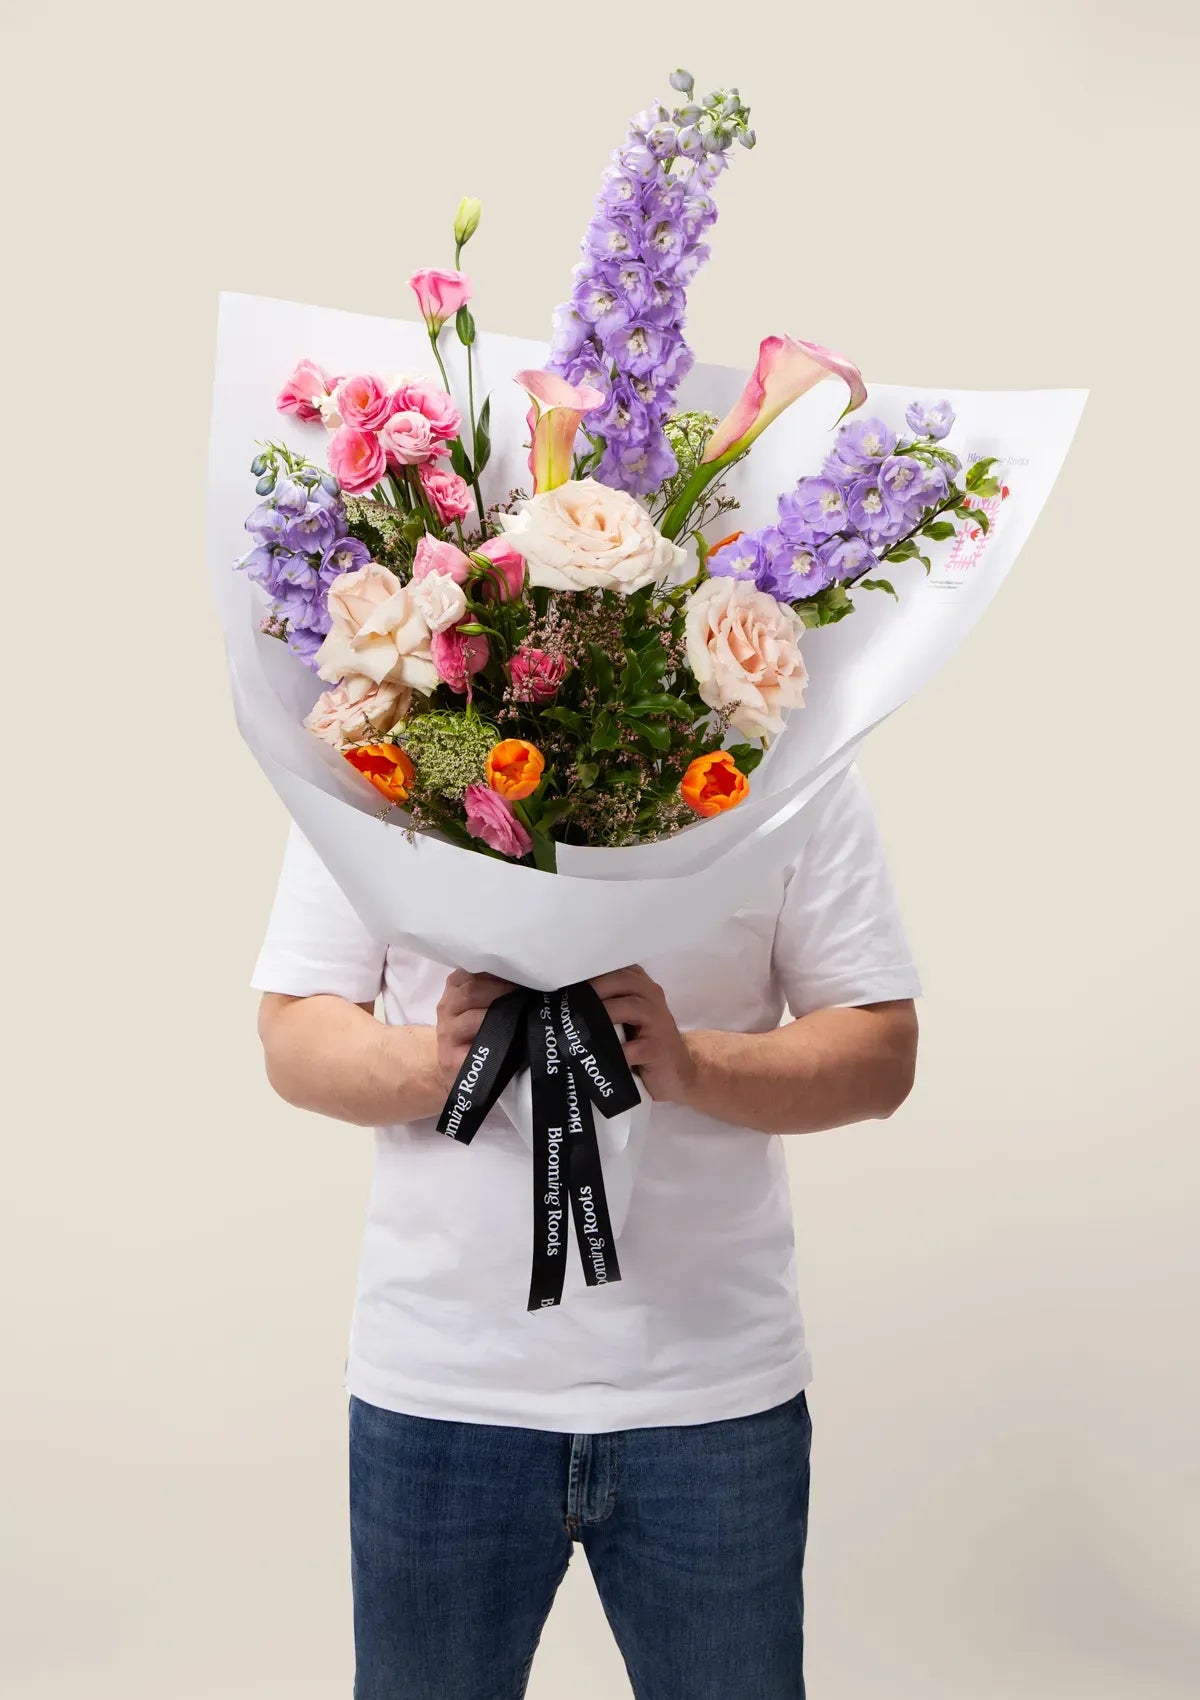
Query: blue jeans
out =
(462, 1532)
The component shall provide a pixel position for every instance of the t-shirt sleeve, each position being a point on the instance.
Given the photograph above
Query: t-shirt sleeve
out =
(839, 939)
(315, 941)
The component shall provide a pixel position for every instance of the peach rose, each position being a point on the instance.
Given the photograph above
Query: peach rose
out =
(441, 599)
(358, 709)
(378, 632)
(744, 649)
(585, 536)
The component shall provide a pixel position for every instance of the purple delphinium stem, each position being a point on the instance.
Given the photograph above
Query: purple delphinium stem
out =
(622, 329)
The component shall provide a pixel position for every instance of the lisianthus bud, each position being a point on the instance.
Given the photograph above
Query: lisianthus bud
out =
(683, 81)
(466, 220)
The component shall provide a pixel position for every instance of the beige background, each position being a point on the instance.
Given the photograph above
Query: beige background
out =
(1001, 1282)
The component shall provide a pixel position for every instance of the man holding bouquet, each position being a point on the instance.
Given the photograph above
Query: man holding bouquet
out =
(661, 1422)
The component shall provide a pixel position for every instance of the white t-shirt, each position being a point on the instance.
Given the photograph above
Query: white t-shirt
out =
(704, 1323)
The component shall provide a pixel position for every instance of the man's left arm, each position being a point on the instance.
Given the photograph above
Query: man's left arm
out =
(825, 1069)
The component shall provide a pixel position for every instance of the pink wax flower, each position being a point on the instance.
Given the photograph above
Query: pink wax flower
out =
(305, 390)
(356, 459)
(363, 402)
(434, 556)
(408, 439)
(508, 564)
(535, 674)
(445, 421)
(439, 295)
(447, 493)
(489, 817)
(458, 655)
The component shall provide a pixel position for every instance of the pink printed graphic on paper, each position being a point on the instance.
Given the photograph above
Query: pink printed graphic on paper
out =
(971, 541)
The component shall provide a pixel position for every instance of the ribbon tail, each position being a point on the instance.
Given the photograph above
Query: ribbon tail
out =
(495, 1056)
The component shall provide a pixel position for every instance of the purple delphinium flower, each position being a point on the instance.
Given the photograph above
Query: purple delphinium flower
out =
(301, 546)
(929, 419)
(813, 511)
(623, 326)
(847, 559)
(860, 446)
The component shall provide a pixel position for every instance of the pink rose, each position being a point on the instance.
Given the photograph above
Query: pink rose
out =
(447, 494)
(508, 564)
(536, 674)
(363, 402)
(418, 396)
(439, 295)
(457, 655)
(356, 459)
(408, 439)
(358, 709)
(434, 556)
(305, 391)
(489, 817)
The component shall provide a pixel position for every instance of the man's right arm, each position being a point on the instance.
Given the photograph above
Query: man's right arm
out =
(326, 1054)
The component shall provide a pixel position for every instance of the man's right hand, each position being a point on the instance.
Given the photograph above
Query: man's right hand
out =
(465, 1001)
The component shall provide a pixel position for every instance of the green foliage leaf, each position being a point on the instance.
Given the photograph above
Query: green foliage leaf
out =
(606, 734)
(878, 584)
(459, 459)
(746, 756)
(661, 704)
(602, 670)
(938, 530)
(658, 737)
(587, 773)
(978, 470)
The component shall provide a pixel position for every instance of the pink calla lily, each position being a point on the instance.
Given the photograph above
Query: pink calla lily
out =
(786, 369)
(554, 421)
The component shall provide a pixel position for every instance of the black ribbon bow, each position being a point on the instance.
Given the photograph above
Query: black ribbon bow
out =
(572, 1050)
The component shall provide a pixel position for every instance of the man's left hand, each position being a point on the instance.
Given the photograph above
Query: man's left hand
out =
(654, 1045)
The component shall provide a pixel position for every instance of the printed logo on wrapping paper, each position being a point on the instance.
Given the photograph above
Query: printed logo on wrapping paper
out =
(950, 571)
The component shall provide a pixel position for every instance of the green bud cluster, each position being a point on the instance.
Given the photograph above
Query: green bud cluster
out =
(449, 750)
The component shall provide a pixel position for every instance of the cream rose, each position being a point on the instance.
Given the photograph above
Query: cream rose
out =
(584, 536)
(358, 710)
(744, 648)
(378, 632)
(441, 599)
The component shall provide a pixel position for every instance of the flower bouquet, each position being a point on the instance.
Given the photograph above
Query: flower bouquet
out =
(537, 654)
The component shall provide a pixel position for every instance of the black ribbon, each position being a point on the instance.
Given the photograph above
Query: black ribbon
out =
(574, 1056)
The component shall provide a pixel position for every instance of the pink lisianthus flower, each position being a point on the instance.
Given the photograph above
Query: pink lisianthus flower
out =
(439, 295)
(458, 656)
(434, 403)
(356, 459)
(305, 391)
(536, 674)
(447, 493)
(434, 556)
(408, 439)
(363, 402)
(489, 817)
(508, 564)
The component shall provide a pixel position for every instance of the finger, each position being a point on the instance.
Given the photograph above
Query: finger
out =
(619, 981)
(474, 991)
(629, 1011)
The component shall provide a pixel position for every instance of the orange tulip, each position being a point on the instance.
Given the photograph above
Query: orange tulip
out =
(386, 766)
(713, 784)
(514, 768)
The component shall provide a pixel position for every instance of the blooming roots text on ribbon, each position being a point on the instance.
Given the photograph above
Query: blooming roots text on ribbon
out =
(576, 1063)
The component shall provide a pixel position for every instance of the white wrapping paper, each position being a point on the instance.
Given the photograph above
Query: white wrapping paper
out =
(605, 908)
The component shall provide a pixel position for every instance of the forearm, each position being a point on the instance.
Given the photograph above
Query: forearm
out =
(825, 1070)
(334, 1057)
